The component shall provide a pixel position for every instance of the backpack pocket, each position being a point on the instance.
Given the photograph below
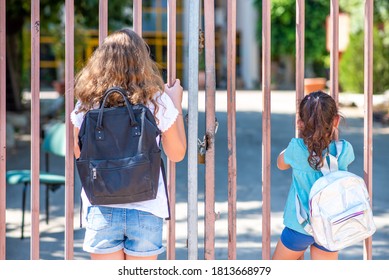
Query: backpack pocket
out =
(349, 227)
(118, 181)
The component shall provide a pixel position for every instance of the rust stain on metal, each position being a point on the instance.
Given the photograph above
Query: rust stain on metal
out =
(37, 26)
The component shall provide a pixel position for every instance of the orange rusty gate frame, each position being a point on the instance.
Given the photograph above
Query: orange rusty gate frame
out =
(194, 16)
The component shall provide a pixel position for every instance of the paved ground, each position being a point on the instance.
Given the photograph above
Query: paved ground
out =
(248, 129)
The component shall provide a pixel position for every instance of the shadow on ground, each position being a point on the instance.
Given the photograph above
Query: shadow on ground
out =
(249, 192)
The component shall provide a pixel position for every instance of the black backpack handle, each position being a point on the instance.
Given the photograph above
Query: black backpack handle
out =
(107, 93)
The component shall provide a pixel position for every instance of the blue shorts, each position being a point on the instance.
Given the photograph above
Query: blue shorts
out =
(109, 230)
(296, 241)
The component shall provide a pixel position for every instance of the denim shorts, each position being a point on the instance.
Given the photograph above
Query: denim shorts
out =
(296, 241)
(109, 230)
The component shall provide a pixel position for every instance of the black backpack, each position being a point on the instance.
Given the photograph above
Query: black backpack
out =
(120, 159)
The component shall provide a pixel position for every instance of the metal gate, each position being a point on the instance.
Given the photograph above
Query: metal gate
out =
(193, 60)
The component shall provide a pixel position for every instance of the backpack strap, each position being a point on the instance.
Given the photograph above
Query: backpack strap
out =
(339, 147)
(330, 162)
(302, 216)
(166, 190)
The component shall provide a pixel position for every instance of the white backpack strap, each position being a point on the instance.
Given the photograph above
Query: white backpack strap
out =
(339, 147)
(326, 169)
(302, 216)
(333, 166)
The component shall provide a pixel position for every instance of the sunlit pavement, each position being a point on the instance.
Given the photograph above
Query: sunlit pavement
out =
(249, 188)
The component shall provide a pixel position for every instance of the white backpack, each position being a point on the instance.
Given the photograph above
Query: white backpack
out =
(339, 208)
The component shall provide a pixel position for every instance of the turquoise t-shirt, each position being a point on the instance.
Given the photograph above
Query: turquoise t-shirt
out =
(303, 176)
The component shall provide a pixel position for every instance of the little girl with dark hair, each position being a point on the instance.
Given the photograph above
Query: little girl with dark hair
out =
(318, 123)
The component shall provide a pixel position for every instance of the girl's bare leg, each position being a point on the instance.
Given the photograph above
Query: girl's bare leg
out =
(119, 255)
(317, 254)
(128, 257)
(283, 253)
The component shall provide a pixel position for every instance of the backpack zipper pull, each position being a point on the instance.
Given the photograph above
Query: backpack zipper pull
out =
(94, 176)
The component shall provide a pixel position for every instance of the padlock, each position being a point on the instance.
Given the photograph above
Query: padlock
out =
(201, 151)
(200, 158)
(201, 155)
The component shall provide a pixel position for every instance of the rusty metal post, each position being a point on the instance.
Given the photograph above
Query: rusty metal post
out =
(69, 105)
(171, 167)
(193, 87)
(334, 53)
(300, 48)
(210, 88)
(137, 16)
(35, 128)
(368, 112)
(266, 129)
(231, 123)
(103, 20)
(3, 129)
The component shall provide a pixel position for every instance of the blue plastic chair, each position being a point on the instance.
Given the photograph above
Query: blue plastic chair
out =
(54, 143)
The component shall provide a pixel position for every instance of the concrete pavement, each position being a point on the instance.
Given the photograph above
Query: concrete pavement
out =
(249, 200)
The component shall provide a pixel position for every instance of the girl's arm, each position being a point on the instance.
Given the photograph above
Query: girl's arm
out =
(75, 142)
(281, 162)
(174, 139)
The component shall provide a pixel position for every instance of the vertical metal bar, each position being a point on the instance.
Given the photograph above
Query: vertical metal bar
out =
(266, 128)
(210, 88)
(171, 170)
(185, 42)
(231, 123)
(368, 112)
(334, 53)
(69, 105)
(300, 48)
(137, 16)
(103, 20)
(35, 128)
(193, 87)
(3, 129)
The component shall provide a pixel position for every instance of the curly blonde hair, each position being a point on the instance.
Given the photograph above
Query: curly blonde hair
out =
(123, 60)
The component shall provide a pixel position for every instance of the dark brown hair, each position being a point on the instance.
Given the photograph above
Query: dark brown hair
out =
(317, 113)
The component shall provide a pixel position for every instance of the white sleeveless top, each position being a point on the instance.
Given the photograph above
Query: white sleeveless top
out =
(167, 115)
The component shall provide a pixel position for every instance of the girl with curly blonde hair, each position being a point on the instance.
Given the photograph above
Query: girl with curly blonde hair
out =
(132, 230)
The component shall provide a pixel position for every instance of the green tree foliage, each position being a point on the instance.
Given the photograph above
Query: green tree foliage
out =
(351, 68)
(283, 38)
(283, 28)
(52, 12)
(351, 76)
(119, 13)
(51, 23)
